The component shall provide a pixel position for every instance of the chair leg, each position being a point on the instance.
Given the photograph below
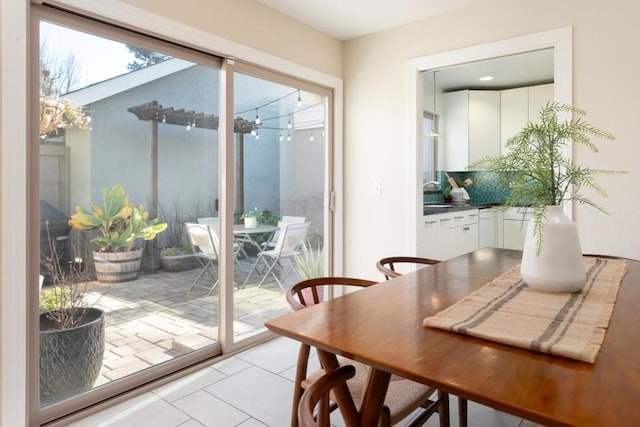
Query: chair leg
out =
(269, 271)
(205, 268)
(213, 287)
(462, 412)
(253, 268)
(443, 410)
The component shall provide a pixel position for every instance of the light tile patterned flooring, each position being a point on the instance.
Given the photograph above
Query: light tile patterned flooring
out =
(157, 317)
(250, 389)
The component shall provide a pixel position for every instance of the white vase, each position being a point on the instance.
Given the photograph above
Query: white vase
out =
(559, 267)
(250, 222)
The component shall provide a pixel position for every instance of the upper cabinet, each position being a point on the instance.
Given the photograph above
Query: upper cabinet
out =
(519, 106)
(471, 127)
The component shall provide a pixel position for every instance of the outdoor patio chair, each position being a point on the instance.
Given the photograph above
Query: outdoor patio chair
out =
(205, 243)
(403, 396)
(289, 240)
(209, 220)
(271, 243)
(237, 247)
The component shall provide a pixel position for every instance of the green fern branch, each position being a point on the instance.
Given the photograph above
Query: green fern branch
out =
(537, 166)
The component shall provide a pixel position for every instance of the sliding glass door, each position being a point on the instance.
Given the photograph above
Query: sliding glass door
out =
(147, 158)
(280, 146)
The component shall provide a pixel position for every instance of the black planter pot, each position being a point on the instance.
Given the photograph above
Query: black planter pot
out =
(70, 359)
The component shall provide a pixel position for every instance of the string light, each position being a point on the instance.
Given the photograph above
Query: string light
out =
(299, 103)
(311, 138)
(257, 135)
(257, 121)
(188, 126)
(289, 125)
(288, 137)
(281, 137)
(164, 118)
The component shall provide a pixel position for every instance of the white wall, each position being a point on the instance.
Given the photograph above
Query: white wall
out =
(606, 64)
(253, 24)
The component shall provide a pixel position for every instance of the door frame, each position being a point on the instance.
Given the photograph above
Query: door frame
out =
(559, 39)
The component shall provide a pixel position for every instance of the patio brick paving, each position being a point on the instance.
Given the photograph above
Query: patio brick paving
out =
(157, 318)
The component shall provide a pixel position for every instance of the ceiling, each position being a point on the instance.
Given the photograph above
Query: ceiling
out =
(525, 69)
(348, 19)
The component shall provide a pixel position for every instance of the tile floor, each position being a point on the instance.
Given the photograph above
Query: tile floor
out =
(250, 389)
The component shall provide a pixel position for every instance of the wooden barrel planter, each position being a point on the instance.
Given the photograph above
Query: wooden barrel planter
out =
(117, 267)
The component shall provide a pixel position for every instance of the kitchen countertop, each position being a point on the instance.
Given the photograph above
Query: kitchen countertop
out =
(437, 208)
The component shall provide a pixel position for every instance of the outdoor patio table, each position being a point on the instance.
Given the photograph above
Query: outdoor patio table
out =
(382, 326)
(243, 234)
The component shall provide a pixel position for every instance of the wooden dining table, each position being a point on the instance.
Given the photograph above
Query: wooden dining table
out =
(382, 326)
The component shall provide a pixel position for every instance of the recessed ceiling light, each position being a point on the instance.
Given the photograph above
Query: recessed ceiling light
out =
(486, 78)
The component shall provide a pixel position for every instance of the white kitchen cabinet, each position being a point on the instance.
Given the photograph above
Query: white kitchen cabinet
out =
(516, 221)
(448, 235)
(519, 106)
(539, 96)
(514, 113)
(471, 127)
(490, 228)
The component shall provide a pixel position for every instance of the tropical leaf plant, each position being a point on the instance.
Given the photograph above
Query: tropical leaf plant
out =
(119, 223)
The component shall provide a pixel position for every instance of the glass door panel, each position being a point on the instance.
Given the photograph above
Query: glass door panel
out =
(280, 179)
(145, 120)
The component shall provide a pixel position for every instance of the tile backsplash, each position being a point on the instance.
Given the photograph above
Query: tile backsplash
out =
(486, 187)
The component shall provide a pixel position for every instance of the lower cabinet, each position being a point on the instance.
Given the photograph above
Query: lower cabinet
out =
(516, 221)
(449, 235)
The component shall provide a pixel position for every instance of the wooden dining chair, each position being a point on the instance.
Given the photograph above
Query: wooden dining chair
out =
(387, 266)
(318, 395)
(403, 396)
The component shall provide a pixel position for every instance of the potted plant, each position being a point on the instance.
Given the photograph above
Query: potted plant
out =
(177, 253)
(71, 332)
(542, 176)
(120, 225)
(251, 218)
(309, 262)
(448, 198)
(178, 258)
(60, 113)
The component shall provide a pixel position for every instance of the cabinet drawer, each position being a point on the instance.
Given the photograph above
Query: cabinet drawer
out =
(461, 239)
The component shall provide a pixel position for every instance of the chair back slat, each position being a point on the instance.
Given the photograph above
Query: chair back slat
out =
(388, 265)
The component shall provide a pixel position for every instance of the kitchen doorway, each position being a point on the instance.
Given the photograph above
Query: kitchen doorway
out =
(559, 40)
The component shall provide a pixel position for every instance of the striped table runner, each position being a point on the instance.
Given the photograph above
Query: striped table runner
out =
(570, 325)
